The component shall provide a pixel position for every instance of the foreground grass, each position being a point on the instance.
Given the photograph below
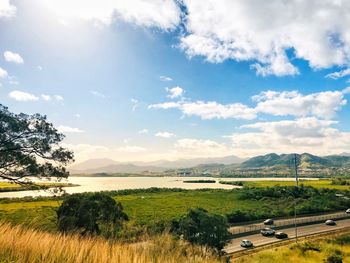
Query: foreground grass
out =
(307, 251)
(314, 183)
(22, 245)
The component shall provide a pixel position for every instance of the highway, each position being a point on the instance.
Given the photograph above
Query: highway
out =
(258, 239)
(288, 221)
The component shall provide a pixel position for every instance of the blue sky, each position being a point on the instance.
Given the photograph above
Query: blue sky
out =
(160, 80)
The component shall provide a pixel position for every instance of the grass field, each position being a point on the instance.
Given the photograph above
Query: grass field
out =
(12, 187)
(323, 250)
(22, 245)
(314, 183)
(142, 208)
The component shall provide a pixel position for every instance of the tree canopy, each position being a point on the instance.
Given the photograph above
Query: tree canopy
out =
(90, 213)
(203, 228)
(30, 147)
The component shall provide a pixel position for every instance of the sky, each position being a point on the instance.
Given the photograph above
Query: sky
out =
(162, 79)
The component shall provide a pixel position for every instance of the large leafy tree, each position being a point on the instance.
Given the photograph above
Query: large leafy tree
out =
(30, 147)
(203, 228)
(91, 213)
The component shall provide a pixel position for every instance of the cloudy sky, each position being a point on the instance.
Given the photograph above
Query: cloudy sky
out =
(164, 79)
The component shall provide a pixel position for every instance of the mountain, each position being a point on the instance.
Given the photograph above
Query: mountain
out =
(110, 166)
(306, 160)
(120, 168)
(93, 164)
(188, 163)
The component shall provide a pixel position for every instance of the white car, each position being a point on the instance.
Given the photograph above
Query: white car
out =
(330, 222)
(267, 232)
(347, 211)
(246, 243)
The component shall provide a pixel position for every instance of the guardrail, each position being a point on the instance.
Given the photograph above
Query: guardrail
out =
(287, 222)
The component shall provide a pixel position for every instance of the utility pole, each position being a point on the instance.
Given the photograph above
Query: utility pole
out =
(295, 201)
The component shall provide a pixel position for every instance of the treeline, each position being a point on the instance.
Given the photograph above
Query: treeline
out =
(279, 201)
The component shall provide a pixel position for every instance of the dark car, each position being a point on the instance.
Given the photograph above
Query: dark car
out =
(246, 243)
(267, 232)
(281, 235)
(330, 222)
(268, 222)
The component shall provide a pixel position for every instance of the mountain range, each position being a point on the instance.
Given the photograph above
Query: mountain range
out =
(106, 165)
(304, 160)
(272, 160)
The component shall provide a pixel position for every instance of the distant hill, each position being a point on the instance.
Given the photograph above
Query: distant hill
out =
(188, 163)
(111, 166)
(306, 161)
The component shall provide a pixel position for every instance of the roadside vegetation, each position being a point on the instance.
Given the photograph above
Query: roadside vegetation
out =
(21, 245)
(340, 184)
(334, 249)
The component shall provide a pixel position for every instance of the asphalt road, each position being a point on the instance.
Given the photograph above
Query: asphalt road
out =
(287, 221)
(258, 239)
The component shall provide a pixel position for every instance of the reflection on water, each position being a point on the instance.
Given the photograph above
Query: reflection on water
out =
(94, 184)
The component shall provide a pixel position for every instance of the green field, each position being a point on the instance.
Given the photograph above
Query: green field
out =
(13, 187)
(314, 183)
(143, 208)
(149, 207)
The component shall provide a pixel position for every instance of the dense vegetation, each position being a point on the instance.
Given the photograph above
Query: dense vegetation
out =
(91, 213)
(279, 201)
(148, 213)
(202, 228)
(333, 249)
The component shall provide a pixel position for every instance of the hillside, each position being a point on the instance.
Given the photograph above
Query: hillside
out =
(306, 160)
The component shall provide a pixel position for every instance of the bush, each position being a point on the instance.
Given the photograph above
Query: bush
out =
(335, 258)
(202, 228)
(95, 213)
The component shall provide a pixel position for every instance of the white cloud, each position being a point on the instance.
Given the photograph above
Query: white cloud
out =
(40, 68)
(300, 135)
(13, 57)
(45, 97)
(135, 104)
(166, 135)
(174, 92)
(59, 98)
(97, 94)
(6, 9)
(339, 74)
(67, 129)
(164, 14)
(322, 104)
(3, 73)
(77, 115)
(131, 149)
(22, 96)
(243, 30)
(165, 78)
(209, 110)
(346, 90)
(202, 148)
(143, 131)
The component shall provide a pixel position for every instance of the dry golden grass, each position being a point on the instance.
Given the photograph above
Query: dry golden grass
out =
(23, 245)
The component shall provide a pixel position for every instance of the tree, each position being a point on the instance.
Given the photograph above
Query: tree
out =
(90, 213)
(29, 146)
(202, 228)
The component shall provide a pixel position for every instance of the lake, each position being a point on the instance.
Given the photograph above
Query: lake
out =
(95, 184)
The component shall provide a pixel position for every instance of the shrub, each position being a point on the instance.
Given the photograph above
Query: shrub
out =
(95, 213)
(202, 228)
